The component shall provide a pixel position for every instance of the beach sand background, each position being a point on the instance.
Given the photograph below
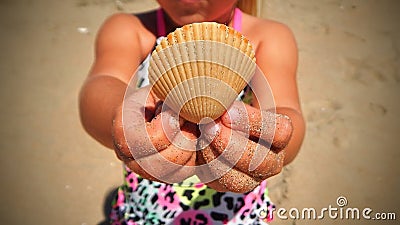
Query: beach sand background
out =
(52, 172)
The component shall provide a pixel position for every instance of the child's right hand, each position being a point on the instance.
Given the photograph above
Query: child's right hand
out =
(142, 136)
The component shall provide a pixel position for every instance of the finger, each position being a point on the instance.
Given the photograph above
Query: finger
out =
(136, 168)
(179, 176)
(245, 155)
(177, 155)
(203, 172)
(172, 164)
(212, 168)
(183, 172)
(145, 138)
(173, 177)
(224, 177)
(260, 124)
(162, 129)
(237, 181)
(141, 100)
(159, 167)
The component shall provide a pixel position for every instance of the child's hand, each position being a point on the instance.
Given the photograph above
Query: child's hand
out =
(244, 163)
(145, 146)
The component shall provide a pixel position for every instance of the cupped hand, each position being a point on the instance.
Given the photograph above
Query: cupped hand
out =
(154, 142)
(242, 148)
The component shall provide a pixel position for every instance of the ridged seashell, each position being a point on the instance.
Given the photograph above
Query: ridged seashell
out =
(199, 69)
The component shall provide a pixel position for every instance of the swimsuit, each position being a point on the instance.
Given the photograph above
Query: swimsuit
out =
(141, 201)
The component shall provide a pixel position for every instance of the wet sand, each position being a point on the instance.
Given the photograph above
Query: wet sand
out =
(349, 80)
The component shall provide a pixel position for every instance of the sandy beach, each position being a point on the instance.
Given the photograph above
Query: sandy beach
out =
(52, 172)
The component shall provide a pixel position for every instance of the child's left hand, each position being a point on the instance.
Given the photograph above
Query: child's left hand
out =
(250, 142)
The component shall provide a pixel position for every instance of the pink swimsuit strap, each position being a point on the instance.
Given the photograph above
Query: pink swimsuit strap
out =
(161, 30)
(237, 20)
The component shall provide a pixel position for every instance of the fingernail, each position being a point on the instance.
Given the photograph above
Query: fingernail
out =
(173, 122)
(212, 129)
(234, 113)
(209, 131)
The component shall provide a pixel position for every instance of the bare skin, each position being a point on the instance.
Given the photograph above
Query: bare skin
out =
(124, 41)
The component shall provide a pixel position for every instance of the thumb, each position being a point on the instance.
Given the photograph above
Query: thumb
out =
(208, 132)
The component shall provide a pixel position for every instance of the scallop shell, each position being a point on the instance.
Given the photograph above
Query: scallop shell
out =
(199, 69)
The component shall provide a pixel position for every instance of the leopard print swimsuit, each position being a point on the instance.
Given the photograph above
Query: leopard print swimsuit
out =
(141, 201)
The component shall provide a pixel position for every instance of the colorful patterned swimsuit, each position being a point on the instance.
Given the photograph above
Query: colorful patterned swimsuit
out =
(141, 201)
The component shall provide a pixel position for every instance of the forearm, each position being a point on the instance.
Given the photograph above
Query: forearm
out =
(98, 100)
(296, 140)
